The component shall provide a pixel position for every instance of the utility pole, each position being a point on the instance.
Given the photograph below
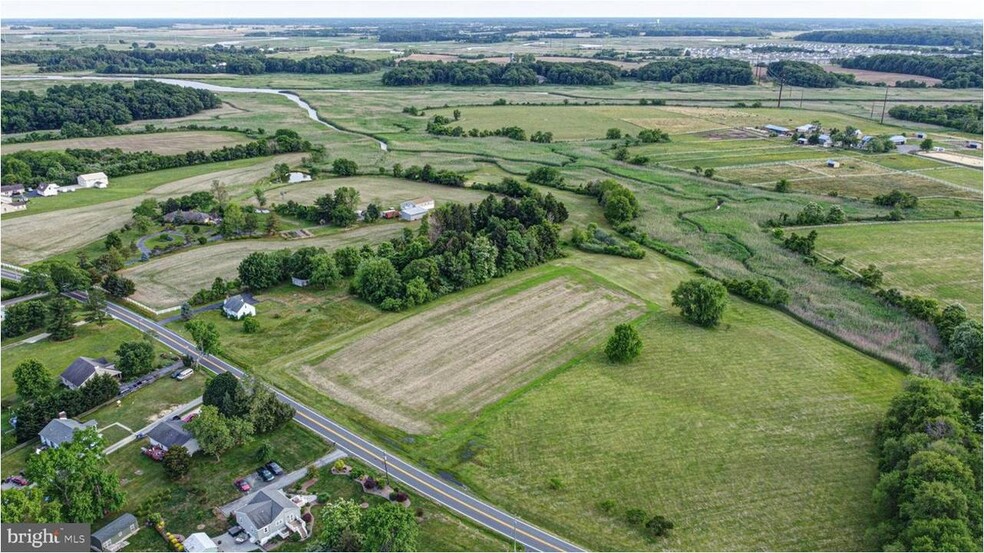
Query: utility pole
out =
(779, 103)
(801, 98)
(872, 109)
(884, 105)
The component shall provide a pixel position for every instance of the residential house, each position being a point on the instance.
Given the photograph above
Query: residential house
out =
(112, 537)
(11, 190)
(237, 307)
(47, 189)
(269, 514)
(9, 205)
(62, 429)
(190, 217)
(825, 140)
(898, 140)
(84, 369)
(171, 433)
(92, 180)
(199, 542)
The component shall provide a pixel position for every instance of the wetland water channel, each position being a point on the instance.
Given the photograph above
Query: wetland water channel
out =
(311, 112)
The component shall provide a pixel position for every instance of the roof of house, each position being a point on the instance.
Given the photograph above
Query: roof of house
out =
(190, 216)
(265, 507)
(199, 541)
(59, 431)
(99, 175)
(422, 200)
(170, 433)
(413, 210)
(83, 367)
(235, 303)
(122, 524)
(46, 185)
(9, 188)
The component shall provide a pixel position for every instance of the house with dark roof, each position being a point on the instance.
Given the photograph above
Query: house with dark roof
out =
(237, 307)
(190, 217)
(270, 514)
(112, 537)
(62, 430)
(84, 369)
(171, 433)
(11, 190)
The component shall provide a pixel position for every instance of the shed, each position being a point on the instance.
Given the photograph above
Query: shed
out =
(776, 129)
(412, 213)
(61, 430)
(93, 180)
(920, 135)
(898, 140)
(802, 141)
(809, 127)
(390, 214)
(302, 282)
(113, 536)
(199, 542)
(833, 163)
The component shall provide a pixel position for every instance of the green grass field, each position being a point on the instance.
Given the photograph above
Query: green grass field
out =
(757, 435)
(941, 260)
(150, 403)
(90, 341)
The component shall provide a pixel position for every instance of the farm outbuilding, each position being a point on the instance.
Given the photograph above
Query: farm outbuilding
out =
(92, 180)
(833, 163)
(776, 129)
(112, 537)
(412, 213)
(898, 140)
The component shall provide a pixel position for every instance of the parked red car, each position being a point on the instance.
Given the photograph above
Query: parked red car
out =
(242, 485)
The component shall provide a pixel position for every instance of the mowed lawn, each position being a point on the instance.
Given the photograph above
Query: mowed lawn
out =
(941, 260)
(160, 143)
(150, 403)
(90, 341)
(757, 435)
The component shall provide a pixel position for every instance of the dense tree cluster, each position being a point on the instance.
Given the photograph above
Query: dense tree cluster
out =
(955, 72)
(701, 301)
(697, 70)
(595, 240)
(758, 290)
(897, 198)
(926, 35)
(33, 415)
(801, 244)
(427, 173)
(34, 167)
(963, 117)
(619, 203)
(152, 61)
(483, 73)
(928, 494)
(24, 317)
(337, 208)
(344, 526)
(99, 105)
(250, 400)
(801, 73)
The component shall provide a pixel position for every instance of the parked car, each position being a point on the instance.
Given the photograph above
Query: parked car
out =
(19, 480)
(186, 373)
(264, 474)
(235, 530)
(243, 486)
(274, 468)
(177, 372)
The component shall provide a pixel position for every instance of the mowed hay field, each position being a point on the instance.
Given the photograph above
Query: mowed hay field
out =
(169, 280)
(53, 226)
(941, 260)
(459, 356)
(160, 143)
(385, 192)
(757, 435)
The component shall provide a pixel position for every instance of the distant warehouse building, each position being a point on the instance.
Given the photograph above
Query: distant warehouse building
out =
(776, 129)
(92, 180)
(415, 210)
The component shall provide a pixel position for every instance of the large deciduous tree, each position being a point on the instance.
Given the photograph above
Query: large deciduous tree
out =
(135, 358)
(32, 379)
(701, 301)
(77, 476)
(212, 431)
(205, 334)
(389, 527)
(176, 462)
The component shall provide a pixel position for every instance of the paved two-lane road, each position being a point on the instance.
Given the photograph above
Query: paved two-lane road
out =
(426, 484)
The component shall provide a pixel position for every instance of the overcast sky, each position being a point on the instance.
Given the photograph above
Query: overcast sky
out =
(896, 9)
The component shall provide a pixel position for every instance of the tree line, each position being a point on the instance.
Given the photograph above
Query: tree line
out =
(955, 72)
(62, 167)
(963, 117)
(924, 36)
(456, 247)
(218, 59)
(801, 73)
(928, 496)
(696, 70)
(99, 105)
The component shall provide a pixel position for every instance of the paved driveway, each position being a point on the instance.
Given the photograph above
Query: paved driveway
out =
(279, 482)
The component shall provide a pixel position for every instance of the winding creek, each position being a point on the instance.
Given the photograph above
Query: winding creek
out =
(311, 112)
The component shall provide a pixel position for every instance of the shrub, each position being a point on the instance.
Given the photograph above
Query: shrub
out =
(658, 526)
(635, 516)
(624, 344)
(555, 483)
(607, 506)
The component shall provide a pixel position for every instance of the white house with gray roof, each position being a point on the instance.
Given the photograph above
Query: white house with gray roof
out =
(237, 307)
(84, 369)
(269, 514)
(62, 430)
(171, 433)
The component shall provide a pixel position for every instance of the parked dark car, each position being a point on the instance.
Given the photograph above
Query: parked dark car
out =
(264, 474)
(274, 468)
(235, 530)
(243, 486)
